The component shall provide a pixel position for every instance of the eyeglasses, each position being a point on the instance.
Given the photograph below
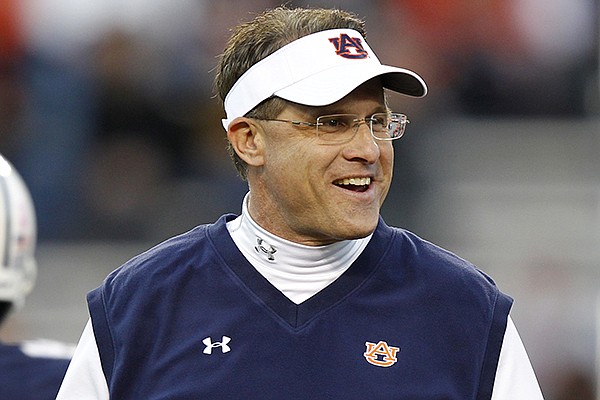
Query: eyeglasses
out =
(343, 127)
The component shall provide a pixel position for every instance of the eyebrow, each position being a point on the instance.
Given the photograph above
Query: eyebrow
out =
(333, 111)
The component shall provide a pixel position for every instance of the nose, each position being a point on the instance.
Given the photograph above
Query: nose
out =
(363, 146)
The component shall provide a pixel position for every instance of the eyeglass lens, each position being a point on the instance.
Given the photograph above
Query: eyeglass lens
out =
(386, 126)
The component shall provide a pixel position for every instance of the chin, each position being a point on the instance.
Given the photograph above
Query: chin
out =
(361, 231)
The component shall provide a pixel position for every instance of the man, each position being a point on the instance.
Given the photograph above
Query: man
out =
(308, 294)
(31, 370)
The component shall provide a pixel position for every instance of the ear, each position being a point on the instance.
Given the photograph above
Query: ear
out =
(246, 137)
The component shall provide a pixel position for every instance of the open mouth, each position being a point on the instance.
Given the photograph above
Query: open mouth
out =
(354, 184)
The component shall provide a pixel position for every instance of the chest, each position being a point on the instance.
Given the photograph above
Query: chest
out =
(358, 348)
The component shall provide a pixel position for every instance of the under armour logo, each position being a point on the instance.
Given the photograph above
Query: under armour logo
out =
(381, 354)
(265, 248)
(349, 47)
(222, 344)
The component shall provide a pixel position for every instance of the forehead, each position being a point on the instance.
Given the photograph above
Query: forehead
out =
(366, 98)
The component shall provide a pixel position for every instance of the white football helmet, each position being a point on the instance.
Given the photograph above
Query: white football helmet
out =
(18, 231)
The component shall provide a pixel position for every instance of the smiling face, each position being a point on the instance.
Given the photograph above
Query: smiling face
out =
(313, 192)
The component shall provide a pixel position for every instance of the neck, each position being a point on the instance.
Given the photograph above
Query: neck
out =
(297, 270)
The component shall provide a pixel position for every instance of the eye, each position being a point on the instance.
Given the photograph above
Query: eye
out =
(332, 121)
(379, 121)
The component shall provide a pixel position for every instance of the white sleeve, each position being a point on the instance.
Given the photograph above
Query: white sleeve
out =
(515, 378)
(84, 379)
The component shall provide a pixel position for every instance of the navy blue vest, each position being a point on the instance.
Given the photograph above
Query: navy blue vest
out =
(192, 319)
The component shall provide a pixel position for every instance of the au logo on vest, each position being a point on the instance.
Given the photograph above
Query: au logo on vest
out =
(349, 47)
(381, 354)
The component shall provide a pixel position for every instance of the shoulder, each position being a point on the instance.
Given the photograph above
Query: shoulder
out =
(47, 348)
(33, 369)
(176, 262)
(439, 267)
(38, 349)
(430, 256)
(174, 256)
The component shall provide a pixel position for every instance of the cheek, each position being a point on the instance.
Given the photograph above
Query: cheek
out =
(299, 156)
(387, 157)
(284, 157)
(288, 165)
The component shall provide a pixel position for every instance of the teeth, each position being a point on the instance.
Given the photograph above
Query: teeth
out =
(353, 181)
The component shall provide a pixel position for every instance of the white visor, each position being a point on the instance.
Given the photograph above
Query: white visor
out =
(317, 70)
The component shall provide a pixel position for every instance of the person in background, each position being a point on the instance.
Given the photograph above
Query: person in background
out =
(308, 293)
(30, 370)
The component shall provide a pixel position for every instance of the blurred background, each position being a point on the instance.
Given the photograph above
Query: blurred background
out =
(107, 109)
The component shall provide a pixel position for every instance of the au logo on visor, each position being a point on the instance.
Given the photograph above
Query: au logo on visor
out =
(349, 47)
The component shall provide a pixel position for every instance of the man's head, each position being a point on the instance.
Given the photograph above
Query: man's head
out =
(17, 239)
(261, 37)
(254, 41)
(298, 65)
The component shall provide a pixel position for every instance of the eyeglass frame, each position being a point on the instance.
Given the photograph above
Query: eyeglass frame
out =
(402, 119)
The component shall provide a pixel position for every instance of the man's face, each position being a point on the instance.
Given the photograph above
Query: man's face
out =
(313, 192)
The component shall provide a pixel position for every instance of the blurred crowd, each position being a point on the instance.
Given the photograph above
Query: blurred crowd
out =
(107, 108)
